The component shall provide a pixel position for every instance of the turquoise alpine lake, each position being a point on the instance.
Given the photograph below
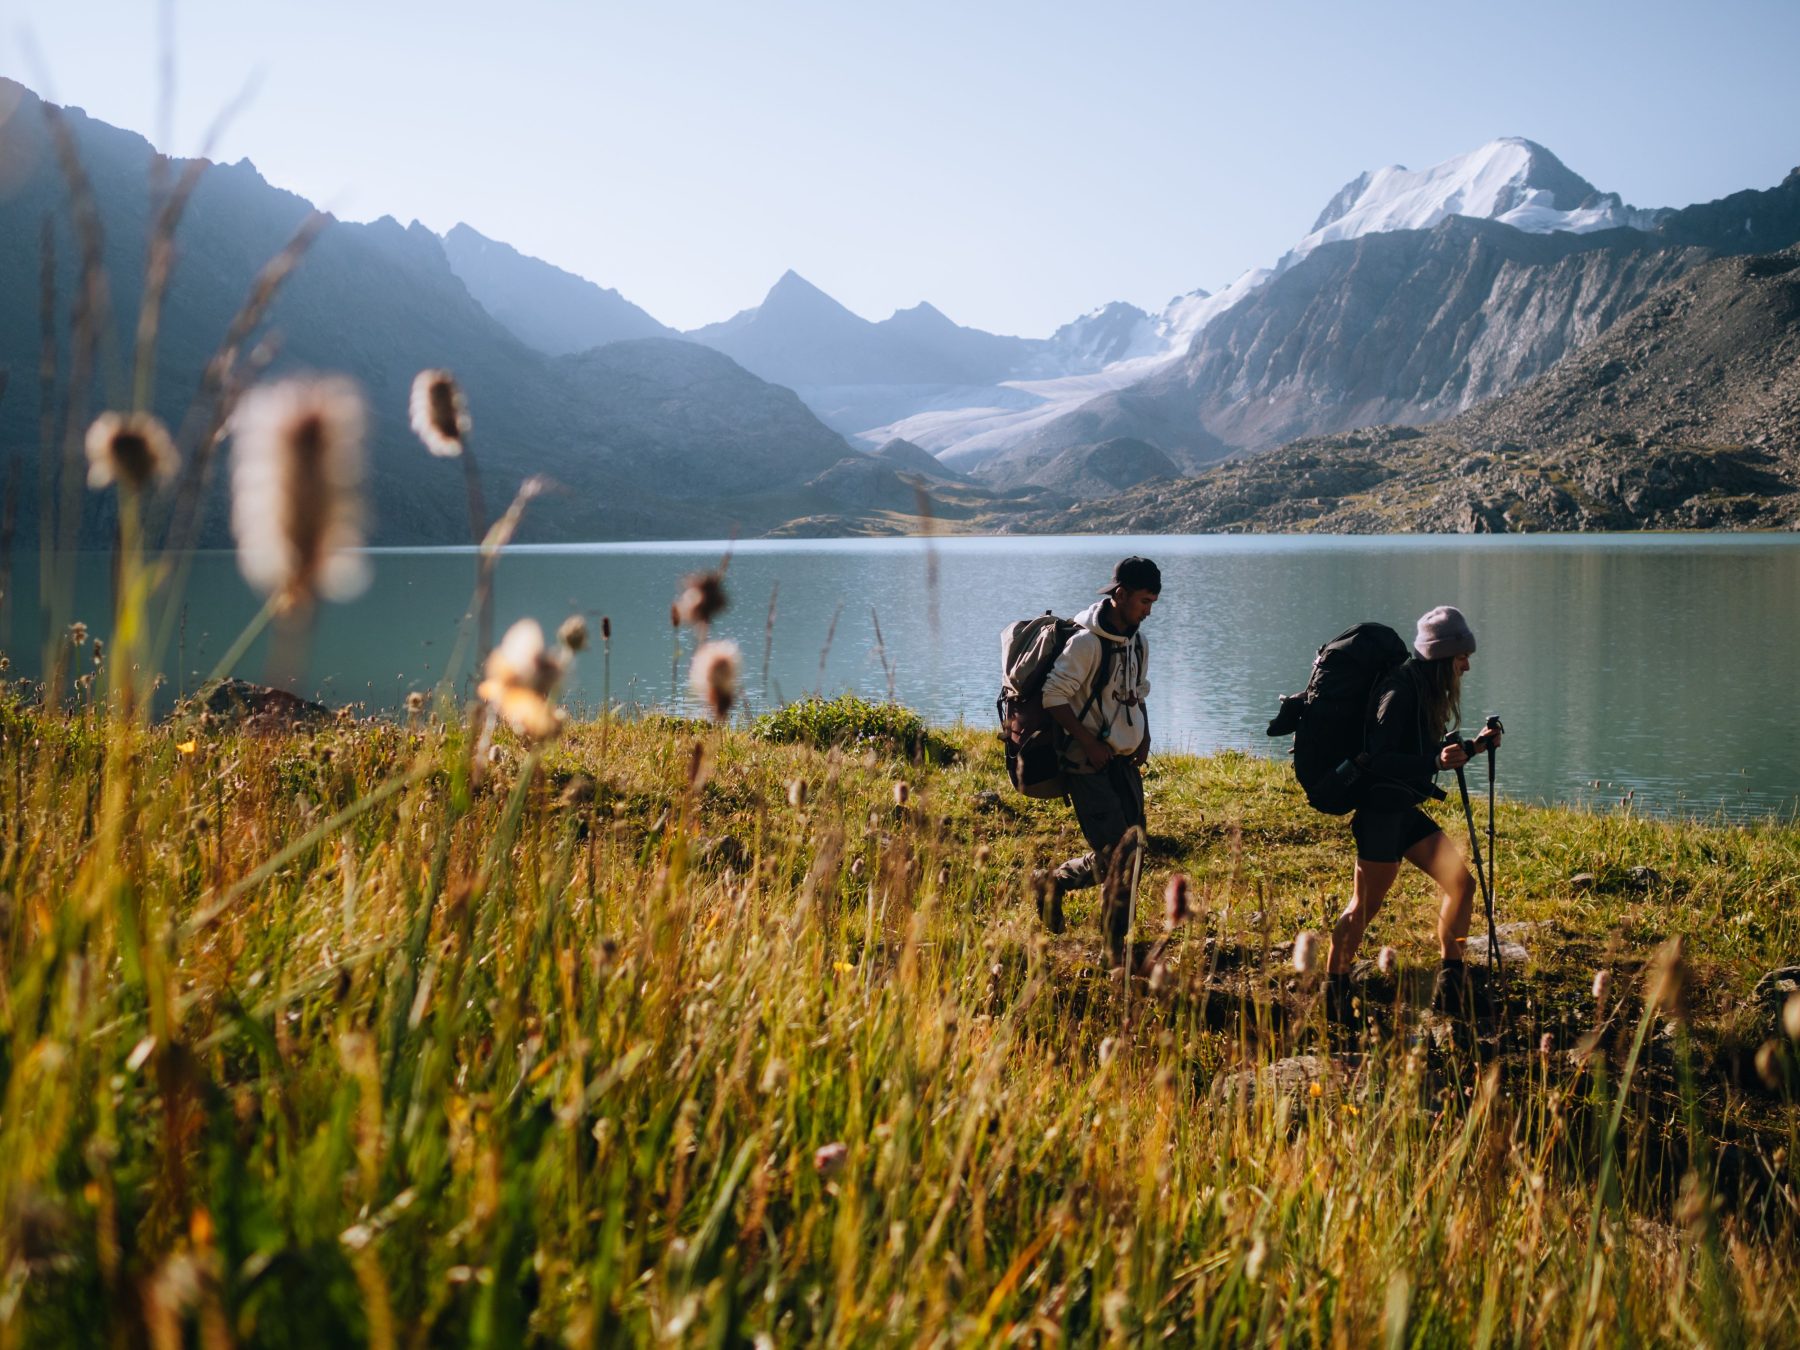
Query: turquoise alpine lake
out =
(1658, 669)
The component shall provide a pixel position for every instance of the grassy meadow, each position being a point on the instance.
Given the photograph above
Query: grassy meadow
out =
(667, 1032)
(483, 1027)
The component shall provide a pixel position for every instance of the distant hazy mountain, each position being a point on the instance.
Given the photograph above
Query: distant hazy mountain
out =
(905, 457)
(1090, 472)
(801, 337)
(540, 304)
(650, 437)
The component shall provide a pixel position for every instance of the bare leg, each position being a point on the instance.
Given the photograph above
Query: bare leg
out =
(1373, 881)
(1442, 861)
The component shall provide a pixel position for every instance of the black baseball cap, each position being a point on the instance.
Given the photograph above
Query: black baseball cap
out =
(1134, 574)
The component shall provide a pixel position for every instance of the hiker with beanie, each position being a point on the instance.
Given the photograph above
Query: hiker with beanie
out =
(1414, 706)
(1095, 693)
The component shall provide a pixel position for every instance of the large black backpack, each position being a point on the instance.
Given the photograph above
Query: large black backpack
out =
(1028, 652)
(1329, 721)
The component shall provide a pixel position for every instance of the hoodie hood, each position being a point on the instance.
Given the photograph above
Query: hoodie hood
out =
(1089, 619)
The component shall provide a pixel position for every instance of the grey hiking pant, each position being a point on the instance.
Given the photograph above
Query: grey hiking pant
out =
(1107, 804)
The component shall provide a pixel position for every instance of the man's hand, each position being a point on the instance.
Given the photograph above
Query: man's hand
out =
(1098, 752)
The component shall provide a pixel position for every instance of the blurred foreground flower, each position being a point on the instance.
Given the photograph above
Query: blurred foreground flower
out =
(1306, 952)
(713, 677)
(1175, 899)
(1790, 1017)
(1768, 1064)
(702, 599)
(521, 675)
(130, 449)
(574, 633)
(440, 414)
(829, 1159)
(296, 490)
(1387, 960)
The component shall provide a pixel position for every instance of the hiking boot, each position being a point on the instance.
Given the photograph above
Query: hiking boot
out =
(1049, 894)
(1451, 993)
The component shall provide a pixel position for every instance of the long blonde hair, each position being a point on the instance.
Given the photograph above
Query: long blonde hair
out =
(1442, 695)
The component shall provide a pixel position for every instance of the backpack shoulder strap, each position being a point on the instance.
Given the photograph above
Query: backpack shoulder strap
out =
(1101, 674)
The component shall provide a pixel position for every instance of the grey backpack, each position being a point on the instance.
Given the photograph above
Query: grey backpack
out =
(1028, 652)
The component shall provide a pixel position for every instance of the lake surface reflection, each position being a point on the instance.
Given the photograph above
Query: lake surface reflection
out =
(1660, 665)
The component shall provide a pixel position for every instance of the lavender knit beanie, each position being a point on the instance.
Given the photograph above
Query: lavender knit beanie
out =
(1444, 632)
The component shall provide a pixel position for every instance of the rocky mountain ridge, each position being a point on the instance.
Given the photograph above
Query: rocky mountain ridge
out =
(1413, 326)
(1685, 415)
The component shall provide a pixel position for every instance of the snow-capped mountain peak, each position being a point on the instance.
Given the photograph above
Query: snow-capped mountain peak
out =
(1512, 180)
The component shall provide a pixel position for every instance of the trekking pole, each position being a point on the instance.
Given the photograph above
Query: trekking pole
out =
(1492, 724)
(1487, 895)
(1493, 853)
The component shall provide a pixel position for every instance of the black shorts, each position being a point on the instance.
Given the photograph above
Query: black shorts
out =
(1383, 836)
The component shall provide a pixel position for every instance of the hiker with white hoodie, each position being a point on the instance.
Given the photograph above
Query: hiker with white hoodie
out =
(1096, 694)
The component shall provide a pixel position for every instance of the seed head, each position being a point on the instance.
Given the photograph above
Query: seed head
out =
(415, 702)
(1768, 1064)
(1175, 899)
(983, 852)
(796, 793)
(1668, 977)
(902, 794)
(605, 629)
(78, 633)
(713, 677)
(774, 1076)
(574, 633)
(501, 532)
(5, 664)
(1602, 986)
(296, 490)
(702, 599)
(1387, 960)
(99, 652)
(440, 414)
(1306, 952)
(1790, 1012)
(521, 675)
(131, 449)
(829, 1159)
(1546, 1044)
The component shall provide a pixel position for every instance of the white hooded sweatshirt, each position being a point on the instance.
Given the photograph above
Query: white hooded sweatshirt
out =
(1117, 715)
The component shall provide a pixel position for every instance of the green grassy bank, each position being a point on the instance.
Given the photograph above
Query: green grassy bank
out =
(677, 1034)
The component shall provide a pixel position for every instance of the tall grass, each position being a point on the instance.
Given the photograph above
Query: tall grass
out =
(330, 1046)
(429, 1035)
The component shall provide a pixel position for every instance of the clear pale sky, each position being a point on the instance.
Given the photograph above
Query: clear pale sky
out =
(1014, 163)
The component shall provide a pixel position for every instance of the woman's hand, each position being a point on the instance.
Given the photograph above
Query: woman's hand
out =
(1452, 756)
